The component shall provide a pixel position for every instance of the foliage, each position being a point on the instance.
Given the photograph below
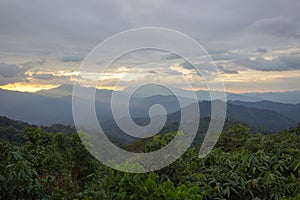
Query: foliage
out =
(242, 166)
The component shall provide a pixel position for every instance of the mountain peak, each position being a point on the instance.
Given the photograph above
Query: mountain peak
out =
(60, 91)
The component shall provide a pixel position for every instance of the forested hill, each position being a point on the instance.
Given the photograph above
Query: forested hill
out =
(259, 120)
(17, 124)
(12, 130)
(242, 165)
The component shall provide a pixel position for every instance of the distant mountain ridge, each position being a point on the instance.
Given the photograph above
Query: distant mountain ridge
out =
(254, 117)
(290, 97)
(55, 107)
(291, 111)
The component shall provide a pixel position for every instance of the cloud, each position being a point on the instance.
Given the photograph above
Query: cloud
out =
(200, 66)
(64, 32)
(10, 73)
(226, 56)
(54, 78)
(208, 67)
(221, 54)
(171, 56)
(11, 70)
(152, 72)
(261, 50)
(43, 76)
(72, 59)
(187, 65)
(282, 63)
(173, 72)
(277, 26)
(227, 71)
(73, 25)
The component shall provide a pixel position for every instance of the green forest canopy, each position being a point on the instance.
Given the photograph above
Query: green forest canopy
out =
(243, 165)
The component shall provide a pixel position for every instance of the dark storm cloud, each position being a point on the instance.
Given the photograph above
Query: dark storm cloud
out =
(282, 63)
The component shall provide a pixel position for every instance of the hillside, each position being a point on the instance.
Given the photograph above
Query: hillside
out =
(242, 165)
(13, 130)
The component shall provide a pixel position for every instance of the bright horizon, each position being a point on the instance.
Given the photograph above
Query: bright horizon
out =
(37, 88)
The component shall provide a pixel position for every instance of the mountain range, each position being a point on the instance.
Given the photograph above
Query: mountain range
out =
(270, 111)
(289, 97)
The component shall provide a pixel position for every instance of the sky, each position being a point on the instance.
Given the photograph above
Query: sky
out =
(255, 44)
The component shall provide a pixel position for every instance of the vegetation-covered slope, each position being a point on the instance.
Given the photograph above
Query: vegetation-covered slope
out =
(242, 166)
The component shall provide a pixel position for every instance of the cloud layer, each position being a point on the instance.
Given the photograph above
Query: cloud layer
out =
(45, 41)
